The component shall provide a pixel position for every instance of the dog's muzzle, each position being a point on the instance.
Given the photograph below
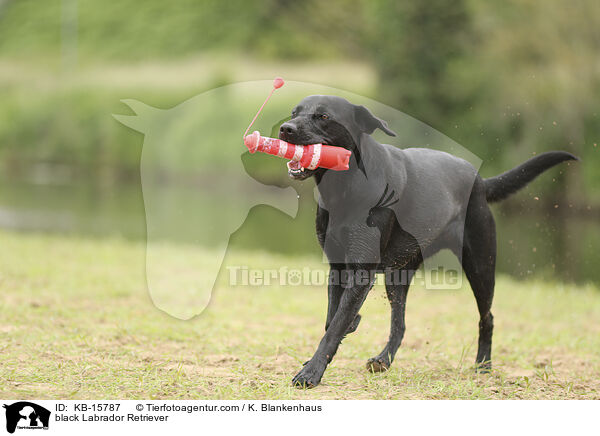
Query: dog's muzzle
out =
(297, 172)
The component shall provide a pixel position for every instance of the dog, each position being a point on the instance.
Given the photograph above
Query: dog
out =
(389, 212)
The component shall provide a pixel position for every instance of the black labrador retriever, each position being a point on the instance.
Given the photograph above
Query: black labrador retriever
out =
(393, 209)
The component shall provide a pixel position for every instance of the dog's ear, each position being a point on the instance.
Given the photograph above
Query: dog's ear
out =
(369, 122)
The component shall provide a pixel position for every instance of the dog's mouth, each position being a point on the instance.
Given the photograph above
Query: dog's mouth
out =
(297, 171)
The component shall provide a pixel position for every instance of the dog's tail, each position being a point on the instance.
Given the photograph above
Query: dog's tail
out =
(499, 187)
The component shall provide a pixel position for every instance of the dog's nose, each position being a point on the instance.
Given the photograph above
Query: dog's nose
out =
(287, 129)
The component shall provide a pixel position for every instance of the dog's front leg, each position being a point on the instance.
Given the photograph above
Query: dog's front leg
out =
(335, 289)
(359, 282)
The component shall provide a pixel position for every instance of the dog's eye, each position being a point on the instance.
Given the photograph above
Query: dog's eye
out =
(324, 116)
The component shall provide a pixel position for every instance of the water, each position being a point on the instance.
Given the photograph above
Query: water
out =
(530, 243)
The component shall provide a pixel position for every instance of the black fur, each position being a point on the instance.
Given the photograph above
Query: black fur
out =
(388, 213)
(499, 187)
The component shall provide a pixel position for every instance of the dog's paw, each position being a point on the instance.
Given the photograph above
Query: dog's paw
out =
(378, 364)
(483, 367)
(308, 377)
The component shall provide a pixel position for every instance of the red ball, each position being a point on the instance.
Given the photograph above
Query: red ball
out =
(278, 82)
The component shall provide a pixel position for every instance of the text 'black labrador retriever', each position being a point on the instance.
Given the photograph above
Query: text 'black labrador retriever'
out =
(393, 209)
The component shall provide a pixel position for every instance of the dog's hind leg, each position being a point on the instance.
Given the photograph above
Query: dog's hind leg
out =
(479, 263)
(396, 286)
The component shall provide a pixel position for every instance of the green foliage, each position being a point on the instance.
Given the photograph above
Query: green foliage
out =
(420, 41)
(505, 79)
(130, 29)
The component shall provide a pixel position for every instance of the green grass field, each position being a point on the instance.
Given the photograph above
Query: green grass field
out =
(76, 321)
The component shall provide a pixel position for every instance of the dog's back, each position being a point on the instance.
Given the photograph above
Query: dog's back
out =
(436, 190)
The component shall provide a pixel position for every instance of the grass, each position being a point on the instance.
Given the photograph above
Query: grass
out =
(76, 322)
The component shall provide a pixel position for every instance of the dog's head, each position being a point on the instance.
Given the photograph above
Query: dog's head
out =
(328, 120)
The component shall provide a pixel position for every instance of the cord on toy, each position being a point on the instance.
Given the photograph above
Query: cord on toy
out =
(277, 83)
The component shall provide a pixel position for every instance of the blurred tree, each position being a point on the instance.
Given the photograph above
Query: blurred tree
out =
(413, 45)
(505, 79)
(545, 79)
(309, 29)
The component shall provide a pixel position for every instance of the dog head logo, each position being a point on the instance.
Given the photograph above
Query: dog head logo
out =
(26, 415)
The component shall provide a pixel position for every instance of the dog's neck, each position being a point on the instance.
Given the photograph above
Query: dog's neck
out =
(340, 186)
